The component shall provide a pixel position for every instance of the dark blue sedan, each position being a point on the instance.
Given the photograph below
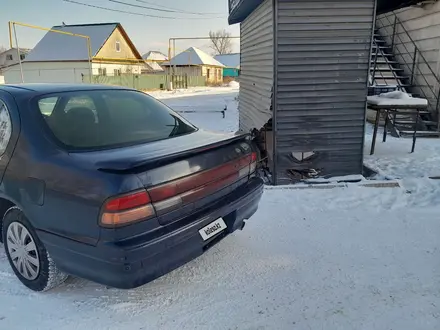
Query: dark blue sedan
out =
(111, 185)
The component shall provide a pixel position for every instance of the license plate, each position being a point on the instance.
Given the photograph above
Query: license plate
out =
(212, 229)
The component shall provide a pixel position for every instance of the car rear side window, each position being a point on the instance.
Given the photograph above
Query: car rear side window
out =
(102, 119)
(47, 105)
(5, 127)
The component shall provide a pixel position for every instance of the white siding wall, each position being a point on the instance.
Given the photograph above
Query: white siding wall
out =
(423, 25)
(112, 67)
(60, 72)
(47, 72)
(4, 61)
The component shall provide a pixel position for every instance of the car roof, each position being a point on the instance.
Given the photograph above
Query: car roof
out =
(54, 88)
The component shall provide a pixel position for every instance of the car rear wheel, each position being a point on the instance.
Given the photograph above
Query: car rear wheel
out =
(27, 255)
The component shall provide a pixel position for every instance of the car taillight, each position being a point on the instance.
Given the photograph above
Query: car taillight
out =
(126, 209)
(253, 165)
(156, 201)
(170, 196)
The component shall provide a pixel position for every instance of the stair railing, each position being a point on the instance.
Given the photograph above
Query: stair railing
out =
(381, 53)
(411, 60)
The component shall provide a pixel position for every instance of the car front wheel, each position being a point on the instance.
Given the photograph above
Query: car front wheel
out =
(27, 255)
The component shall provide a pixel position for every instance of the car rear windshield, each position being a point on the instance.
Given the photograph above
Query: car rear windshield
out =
(102, 119)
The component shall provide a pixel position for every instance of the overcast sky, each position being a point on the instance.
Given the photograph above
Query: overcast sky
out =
(147, 33)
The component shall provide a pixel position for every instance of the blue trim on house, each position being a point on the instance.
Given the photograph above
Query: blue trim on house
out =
(231, 72)
(239, 10)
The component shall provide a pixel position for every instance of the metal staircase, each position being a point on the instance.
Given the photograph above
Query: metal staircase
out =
(395, 65)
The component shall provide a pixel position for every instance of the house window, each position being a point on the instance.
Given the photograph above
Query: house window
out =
(102, 71)
(208, 71)
(117, 72)
(9, 57)
(22, 56)
(118, 46)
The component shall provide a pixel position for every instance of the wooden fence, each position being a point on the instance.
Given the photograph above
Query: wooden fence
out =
(146, 81)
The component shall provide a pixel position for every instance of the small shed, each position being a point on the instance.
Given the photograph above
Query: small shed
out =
(231, 63)
(195, 62)
(303, 83)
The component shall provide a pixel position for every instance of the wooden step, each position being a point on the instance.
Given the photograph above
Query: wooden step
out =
(383, 62)
(420, 133)
(388, 69)
(381, 54)
(413, 121)
(409, 112)
(381, 76)
(404, 122)
(429, 123)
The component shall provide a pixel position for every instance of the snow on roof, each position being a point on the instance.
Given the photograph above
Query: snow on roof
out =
(229, 60)
(153, 66)
(155, 56)
(194, 56)
(61, 47)
(396, 98)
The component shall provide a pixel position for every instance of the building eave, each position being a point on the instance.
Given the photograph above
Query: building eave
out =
(239, 10)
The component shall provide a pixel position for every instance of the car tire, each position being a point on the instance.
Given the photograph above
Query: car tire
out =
(27, 255)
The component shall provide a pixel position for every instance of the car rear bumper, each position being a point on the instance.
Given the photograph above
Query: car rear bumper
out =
(132, 265)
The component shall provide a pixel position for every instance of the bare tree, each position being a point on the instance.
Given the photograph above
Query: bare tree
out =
(220, 42)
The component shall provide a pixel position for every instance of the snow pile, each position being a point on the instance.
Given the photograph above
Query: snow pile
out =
(336, 179)
(234, 84)
(192, 92)
(396, 98)
(392, 159)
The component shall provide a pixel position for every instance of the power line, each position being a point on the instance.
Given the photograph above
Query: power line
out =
(133, 13)
(151, 8)
(179, 10)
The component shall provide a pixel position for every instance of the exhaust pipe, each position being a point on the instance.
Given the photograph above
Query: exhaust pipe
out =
(242, 225)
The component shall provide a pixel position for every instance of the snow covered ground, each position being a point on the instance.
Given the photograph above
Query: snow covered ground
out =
(393, 158)
(346, 258)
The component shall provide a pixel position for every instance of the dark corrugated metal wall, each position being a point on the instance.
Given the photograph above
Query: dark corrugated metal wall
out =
(323, 56)
(256, 68)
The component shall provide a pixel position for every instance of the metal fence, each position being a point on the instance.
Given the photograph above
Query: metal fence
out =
(146, 81)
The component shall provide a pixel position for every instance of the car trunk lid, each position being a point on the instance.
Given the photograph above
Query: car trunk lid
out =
(183, 174)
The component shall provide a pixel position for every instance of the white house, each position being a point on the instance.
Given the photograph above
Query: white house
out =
(10, 57)
(195, 62)
(154, 59)
(155, 56)
(61, 58)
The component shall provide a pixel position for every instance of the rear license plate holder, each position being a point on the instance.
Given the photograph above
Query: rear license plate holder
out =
(213, 229)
